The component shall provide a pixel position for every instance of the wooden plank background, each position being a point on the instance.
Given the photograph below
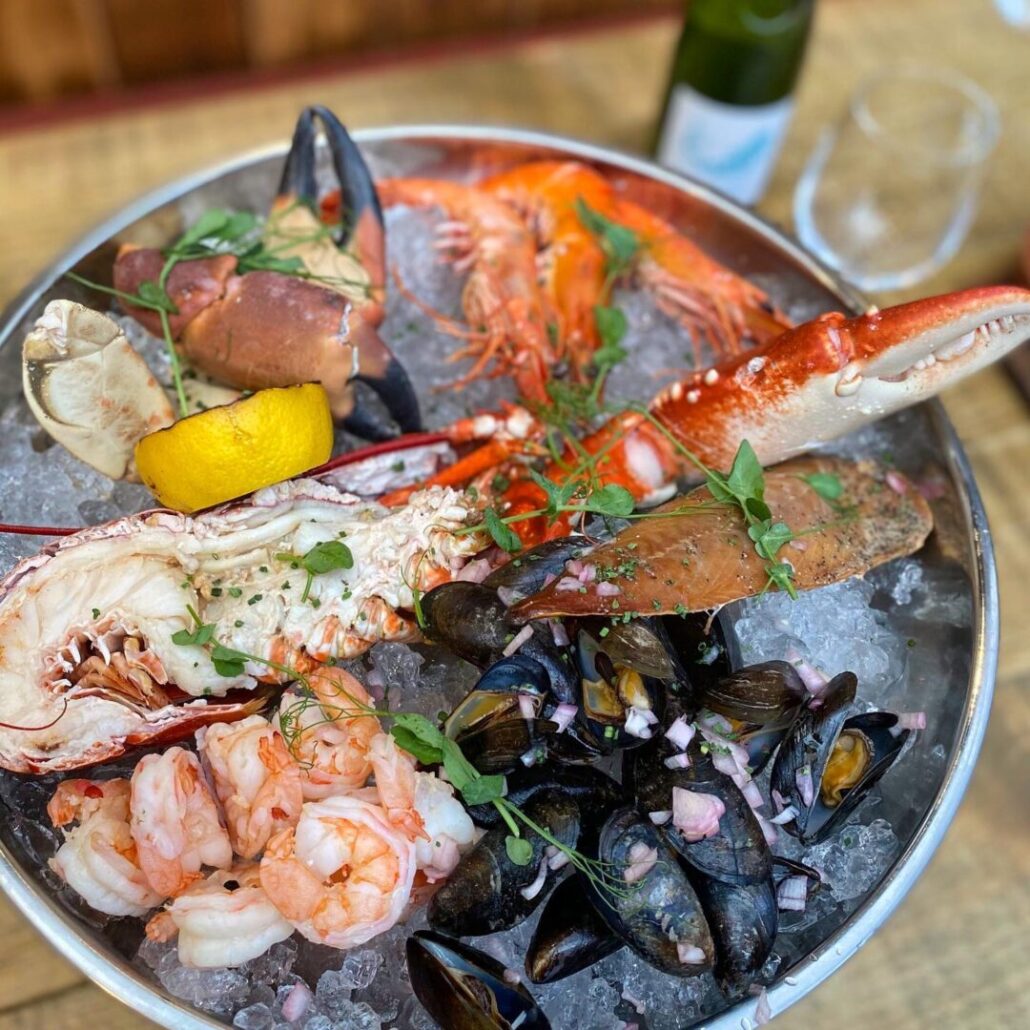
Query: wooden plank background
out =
(954, 954)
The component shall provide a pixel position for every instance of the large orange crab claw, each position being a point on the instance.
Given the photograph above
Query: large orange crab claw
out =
(835, 374)
(262, 327)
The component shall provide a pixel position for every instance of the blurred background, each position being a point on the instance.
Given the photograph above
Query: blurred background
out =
(101, 100)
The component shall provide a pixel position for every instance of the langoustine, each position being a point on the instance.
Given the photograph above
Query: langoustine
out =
(87, 627)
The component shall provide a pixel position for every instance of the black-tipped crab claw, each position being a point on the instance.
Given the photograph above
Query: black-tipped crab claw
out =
(275, 328)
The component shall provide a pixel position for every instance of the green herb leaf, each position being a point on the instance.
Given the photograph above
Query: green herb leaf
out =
(611, 499)
(327, 556)
(483, 789)
(770, 538)
(210, 223)
(408, 741)
(557, 496)
(827, 485)
(746, 478)
(519, 850)
(503, 535)
(611, 327)
(227, 661)
(199, 636)
(156, 297)
(619, 244)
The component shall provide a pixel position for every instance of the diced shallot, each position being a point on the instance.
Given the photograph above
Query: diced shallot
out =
(476, 571)
(763, 1011)
(567, 583)
(680, 733)
(605, 589)
(639, 722)
(696, 814)
(530, 892)
(561, 637)
(769, 831)
(789, 813)
(517, 641)
(563, 716)
(752, 794)
(792, 894)
(660, 818)
(556, 859)
(689, 954)
(574, 567)
(680, 761)
(806, 788)
(911, 721)
(588, 573)
(897, 482)
(508, 596)
(814, 679)
(527, 706)
(642, 860)
(297, 1002)
(777, 799)
(511, 976)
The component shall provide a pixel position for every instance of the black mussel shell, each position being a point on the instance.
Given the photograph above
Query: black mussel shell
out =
(743, 921)
(704, 650)
(738, 853)
(757, 694)
(502, 745)
(639, 644)
(570, 935)
(590, 789)
(562, 673)
(526, 572)
(465, 989)
(810, 742)
(468, 619)
(496, 694)
(484, 893)
(884, 747)
(659, 916)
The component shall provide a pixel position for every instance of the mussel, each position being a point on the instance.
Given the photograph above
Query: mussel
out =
(464, 989)
(591, 789)
(702, 647)
(738, 853)
(657, 912)
(743, 920)
(487, 891)
(760, 701)
(527, 573)
(831, 759)
(570, 935)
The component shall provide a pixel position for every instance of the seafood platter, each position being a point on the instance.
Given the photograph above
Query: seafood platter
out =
(468, 578)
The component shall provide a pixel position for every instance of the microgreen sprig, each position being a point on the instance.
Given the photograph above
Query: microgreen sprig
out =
(323, 557)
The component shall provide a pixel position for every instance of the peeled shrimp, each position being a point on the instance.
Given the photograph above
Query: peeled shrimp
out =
(343, 875)
(175, 821)
(326, 736)
(98, 859)
(255, 778)
(225, 920)
(424, 807)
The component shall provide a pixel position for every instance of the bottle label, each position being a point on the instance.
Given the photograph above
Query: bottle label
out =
(729, 147)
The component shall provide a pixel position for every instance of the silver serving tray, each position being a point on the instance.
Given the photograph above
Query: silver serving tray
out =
(960, 707)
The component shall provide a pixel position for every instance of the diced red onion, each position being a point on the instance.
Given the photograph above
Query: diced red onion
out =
(752, 794)
(660, 818)
(769, 831)
(574, 567)
(297, 1002)
(681, 733)
(561, 637)
(696, 814)
(475, 571)
(932, 489)
(680, 761)
(527, 706)
(549, 579)
(563, 716)
(814, 679)
(608, 590)
(725, 764)
(790, 812)
(557, 860)
(777, 799)
(792, 894)
(716, 723)
(763, 1012)
(511, 976)
(689, 954)
(798, 545)
(517, 641)
(911, 721)
(642, 860)
(567, 584)
(897, 482)
(639, 722)
(637, 1004)
(587, 573)
(531, 757)
(806, 788)
(375, 679)
(530, 892)
(508, 596)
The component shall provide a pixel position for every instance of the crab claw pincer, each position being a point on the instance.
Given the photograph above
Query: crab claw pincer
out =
(266, 327)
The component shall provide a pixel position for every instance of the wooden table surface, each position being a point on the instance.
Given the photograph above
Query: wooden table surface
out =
(955, 953)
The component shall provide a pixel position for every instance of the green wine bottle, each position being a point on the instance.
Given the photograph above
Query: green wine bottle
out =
(729, 99)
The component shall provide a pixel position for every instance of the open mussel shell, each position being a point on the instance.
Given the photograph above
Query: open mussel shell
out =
(487, 891)
(569, 936)
(464, 989)
(659, 915)
(496, 694)
(611, 690)
(469, 619)
(743, 921)
(702, 647)
(738, 853)
(845, 755)
(527, 572)
(591, 789)
(502, 745)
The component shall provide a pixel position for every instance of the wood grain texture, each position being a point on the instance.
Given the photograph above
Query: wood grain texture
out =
(952, 957)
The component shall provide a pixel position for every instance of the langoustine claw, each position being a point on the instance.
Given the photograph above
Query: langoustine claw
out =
(267, 328)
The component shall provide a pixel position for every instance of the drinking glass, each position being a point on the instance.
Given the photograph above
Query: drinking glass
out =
(888, 194)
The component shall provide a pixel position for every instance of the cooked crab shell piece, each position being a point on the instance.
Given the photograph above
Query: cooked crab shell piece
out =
(89, 389)
(88, 627)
